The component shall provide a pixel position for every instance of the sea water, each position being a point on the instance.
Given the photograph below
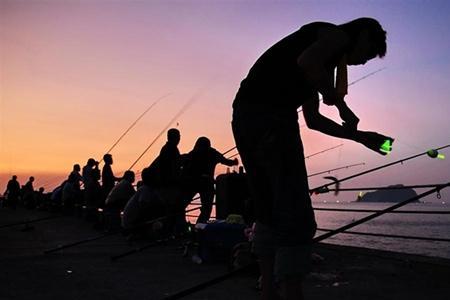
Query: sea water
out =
(421, 225)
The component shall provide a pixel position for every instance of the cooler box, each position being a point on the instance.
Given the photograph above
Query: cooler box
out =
(216, 241)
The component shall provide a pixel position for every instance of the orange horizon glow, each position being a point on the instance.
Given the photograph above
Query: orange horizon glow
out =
(74, 75)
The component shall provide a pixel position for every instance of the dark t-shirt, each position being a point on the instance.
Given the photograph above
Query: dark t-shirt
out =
(13, 188)
(275, 81)
(169, 164)
(202, 163)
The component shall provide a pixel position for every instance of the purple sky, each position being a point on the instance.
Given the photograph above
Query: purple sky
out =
(75, 74)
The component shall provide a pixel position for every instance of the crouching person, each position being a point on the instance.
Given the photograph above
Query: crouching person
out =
(144, 206)
(116, 200)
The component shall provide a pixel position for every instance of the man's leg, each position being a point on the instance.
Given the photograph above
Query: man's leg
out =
(206, 198)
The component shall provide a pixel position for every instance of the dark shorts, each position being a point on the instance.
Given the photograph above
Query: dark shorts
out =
(271, 150)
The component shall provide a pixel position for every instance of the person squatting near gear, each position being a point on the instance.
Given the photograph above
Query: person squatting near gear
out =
(145, 205)
(288, 75)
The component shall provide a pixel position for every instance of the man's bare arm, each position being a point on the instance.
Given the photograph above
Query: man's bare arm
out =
(314, 60)
(316, 121)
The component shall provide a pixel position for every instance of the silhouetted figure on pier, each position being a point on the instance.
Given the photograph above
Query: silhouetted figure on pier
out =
(288, 75)
(88, 169)
(92, 189)
(198, 175)
(166, 174)
(76, 173)
(12, 192)
(70, 193)
(146, 204)
(169, 160)
(108, 178)
(41, 198)
(28, 196)
(121, 192)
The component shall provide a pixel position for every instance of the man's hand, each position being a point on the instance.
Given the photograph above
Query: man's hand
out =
(372, 140)
(350, 120)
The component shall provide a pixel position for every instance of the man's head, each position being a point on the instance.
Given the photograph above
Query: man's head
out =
(129, 176)
(108, 159)
(202, 144)
(31, 178)
(14, 177)
(367, 40)
(91, 162)
(76, 167)
(173, 136)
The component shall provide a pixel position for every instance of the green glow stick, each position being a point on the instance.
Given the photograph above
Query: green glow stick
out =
(386, 147)
(441, 156)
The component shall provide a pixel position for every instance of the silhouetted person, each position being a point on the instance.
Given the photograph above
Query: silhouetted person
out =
(146, 204)
(28, 193)
(56, 196)
(76, 173)
(108, 178)
(70, 193)
(166, 176)
(169, 160)
(121, 192)
(198, 174)
(40, 198)
(12, 192)
(88, 169)
(92, 189)
(288, 75)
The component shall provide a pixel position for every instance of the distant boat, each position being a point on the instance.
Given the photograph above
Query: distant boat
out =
(396, 194)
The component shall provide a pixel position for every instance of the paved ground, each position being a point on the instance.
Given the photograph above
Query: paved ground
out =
(86, 271)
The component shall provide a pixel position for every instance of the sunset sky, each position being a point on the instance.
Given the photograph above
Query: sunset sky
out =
(75, 74)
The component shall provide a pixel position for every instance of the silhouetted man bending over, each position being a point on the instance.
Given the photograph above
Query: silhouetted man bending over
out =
(288, 75)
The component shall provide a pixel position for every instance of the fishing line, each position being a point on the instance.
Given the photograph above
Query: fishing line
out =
(177, 115)
(135, 122)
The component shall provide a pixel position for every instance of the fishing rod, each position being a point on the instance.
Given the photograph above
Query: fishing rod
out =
(30, 221)
(98, 237)
(334, 232)
(335, 169)
(395, 236)
(135, 122)
(323, 151)
(229, 150)
(177, 115)
(127, 130)
(379, 213)
(393, 187)
(319, 188)
(425, 212)
(306, 157)
(353, 82)
(151, 244)
(225, 276)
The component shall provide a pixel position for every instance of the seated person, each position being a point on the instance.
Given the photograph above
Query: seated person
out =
(121, 193)
(145, 205)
